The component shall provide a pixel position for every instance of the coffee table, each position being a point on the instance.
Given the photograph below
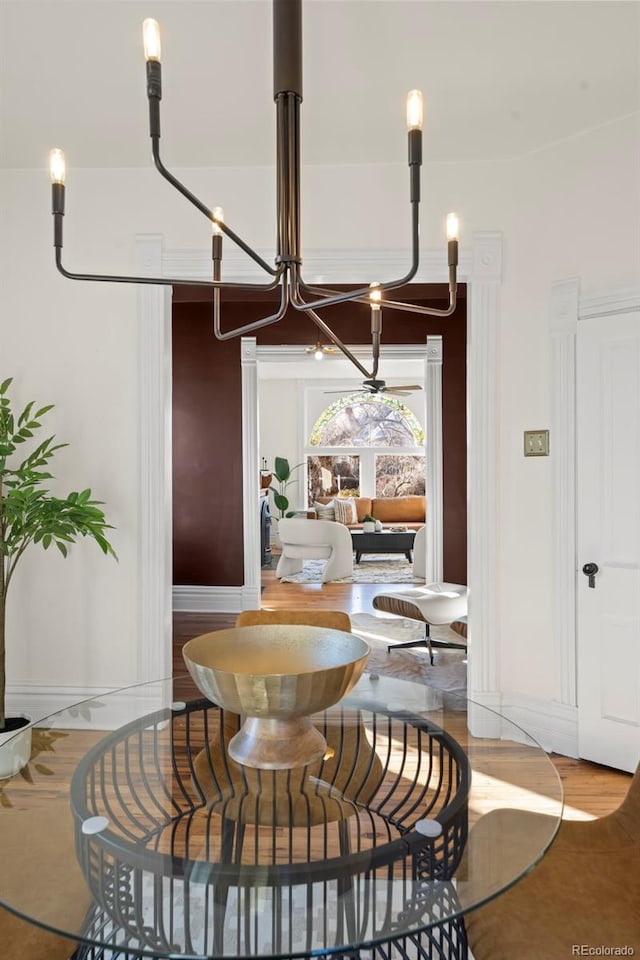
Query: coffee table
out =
(160, 846)
(386, 541)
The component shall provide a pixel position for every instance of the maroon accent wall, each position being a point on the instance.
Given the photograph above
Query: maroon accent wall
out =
(207, 421)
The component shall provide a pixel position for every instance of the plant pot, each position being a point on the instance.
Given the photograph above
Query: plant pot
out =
(369, 526)
(15, 745)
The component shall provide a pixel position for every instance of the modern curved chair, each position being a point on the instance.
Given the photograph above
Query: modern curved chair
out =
(315, 540)
(586, 889)
(420, 554)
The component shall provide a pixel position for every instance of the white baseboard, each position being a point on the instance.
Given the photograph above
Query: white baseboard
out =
(553, 725)
(215, 599)
(74, 712)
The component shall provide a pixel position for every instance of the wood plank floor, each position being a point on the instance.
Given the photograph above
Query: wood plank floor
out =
(590, 790)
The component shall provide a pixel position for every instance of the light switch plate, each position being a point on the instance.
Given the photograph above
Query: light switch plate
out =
(536, 443)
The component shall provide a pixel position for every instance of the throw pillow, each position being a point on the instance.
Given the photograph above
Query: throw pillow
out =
(346, 510)
(325, 511)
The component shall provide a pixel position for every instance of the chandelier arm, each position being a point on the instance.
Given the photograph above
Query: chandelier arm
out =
(160, 281)
(155, 141)
(328, 332)
(397, 304)
(256, 324)
(425, 311)
(298, 303)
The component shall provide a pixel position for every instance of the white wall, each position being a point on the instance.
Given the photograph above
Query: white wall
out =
(278, 431)
(568, 210)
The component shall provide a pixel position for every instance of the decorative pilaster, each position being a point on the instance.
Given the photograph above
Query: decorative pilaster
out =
(434, 524)
(154, 573)
(482, 322)
(564, 325)
(250, 472)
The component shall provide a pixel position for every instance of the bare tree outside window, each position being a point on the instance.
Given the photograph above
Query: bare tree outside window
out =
(400, 475)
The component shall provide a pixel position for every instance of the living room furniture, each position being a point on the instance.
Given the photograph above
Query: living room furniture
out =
(585, 891)
(387, 541)
(420, 554)
(315, 540)
(435, 603)
(406, 511)
(171, 870)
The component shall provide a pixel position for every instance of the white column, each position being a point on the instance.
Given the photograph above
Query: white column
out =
(482, 322)
(434, 524)
(250, 474)
(154, 640)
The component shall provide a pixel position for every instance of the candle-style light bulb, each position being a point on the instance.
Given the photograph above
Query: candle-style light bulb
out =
(57, 165)
(414, 110)
(218, 213)
(318, 353)
(375, 295)
(151, 39)
(452, 226)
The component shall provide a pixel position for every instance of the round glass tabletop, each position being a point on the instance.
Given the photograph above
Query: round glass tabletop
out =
(133, 830)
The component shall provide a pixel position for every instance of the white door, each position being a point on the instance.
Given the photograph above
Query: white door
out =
(608, 524)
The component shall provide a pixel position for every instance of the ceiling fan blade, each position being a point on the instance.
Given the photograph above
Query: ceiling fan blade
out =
(403, 389)
(347, 393)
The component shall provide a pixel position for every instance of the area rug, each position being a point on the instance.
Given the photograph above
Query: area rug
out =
(449, 670)
(381, 568)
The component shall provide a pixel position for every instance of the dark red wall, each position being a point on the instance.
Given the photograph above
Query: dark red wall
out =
(207, 422)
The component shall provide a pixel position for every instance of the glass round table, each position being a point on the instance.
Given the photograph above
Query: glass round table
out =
(133, 832)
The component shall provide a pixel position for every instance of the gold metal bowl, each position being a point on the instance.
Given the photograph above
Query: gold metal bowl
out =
(276, 676)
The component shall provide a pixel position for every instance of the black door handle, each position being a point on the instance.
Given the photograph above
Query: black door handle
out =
(590, 570)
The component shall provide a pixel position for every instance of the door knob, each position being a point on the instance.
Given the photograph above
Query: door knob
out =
(590, 570)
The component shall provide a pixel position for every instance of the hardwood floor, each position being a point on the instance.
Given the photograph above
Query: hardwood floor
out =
(590, 790)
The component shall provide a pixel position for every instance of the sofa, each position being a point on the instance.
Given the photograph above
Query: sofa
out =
(392, 512)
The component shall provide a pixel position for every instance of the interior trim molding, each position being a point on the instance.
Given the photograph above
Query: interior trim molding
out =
(41, 700)
(154, 546)
(482, 322)
(250, 464)
(481, 269)
(564, 322)
(196, 599)
(551, 724)
(434, 454)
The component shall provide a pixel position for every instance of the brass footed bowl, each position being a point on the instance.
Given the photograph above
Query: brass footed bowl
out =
(276, 676)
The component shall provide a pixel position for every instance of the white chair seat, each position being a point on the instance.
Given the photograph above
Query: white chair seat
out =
(435, 603)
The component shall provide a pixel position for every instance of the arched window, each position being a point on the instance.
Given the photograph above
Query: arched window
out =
(367, 421)
(365, 427)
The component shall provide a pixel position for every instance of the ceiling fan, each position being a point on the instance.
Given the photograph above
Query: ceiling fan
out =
(374, 386)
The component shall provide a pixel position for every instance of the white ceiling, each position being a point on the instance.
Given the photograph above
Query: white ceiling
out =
(500, 78)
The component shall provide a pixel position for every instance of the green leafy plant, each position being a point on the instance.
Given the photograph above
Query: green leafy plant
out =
(28, 513)
(282, 474)
(368, 518)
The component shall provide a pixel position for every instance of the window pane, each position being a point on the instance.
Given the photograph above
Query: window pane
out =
(400, 476)
(367, 421)
(333, 476)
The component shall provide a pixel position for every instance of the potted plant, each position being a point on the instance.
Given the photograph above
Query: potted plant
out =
(368, 524)
(283, 476)
(30, 514)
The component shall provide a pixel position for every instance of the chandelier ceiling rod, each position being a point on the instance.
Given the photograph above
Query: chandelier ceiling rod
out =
(286, 273)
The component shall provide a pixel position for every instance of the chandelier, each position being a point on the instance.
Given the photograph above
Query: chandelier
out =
(285, 273)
